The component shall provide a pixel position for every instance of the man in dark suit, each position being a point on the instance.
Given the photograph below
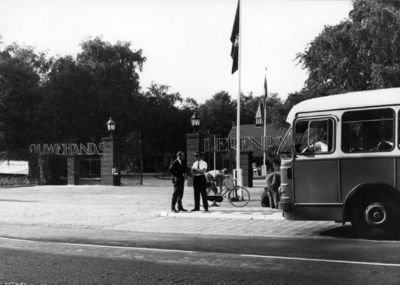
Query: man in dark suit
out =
(178, 171)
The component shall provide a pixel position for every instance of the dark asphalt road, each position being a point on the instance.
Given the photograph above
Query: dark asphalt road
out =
(209, 260)
(330, 248)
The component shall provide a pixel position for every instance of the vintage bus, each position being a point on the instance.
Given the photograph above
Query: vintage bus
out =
(340, 161)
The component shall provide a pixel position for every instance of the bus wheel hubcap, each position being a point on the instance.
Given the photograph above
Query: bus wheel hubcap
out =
(376, 215)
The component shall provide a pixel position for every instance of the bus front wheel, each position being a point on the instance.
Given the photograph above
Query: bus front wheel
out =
(376, 218)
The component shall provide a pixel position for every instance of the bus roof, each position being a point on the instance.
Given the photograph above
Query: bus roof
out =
(371, 98)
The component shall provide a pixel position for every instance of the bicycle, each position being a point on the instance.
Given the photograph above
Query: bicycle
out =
(238, 196)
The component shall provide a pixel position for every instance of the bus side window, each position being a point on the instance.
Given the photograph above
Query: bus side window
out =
(398, 126)
(314, 136)
(321, 136)
(368, 130)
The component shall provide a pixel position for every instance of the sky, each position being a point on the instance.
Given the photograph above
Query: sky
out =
(186, 42)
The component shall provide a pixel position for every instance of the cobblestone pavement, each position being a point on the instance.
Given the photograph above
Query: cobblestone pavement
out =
(144, 208)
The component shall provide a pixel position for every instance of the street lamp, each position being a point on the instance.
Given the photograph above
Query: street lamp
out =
(195, 121)
(111, 126)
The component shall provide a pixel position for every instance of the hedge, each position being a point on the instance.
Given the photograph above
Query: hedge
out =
(43, 169)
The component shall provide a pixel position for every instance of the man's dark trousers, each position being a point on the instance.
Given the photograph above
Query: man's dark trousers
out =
(177, 196)
(200, 187)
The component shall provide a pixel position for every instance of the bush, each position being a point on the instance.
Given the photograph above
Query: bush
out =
(43, 169)
(14, 181)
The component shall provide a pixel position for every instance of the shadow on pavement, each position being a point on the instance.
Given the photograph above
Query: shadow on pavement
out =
(347, 231)
(15, 200)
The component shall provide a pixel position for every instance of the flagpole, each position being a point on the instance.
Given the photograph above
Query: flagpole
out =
(265, 121)
(239, 176)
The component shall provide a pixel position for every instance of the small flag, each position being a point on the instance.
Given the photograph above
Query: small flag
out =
(235, 41)
(265, 88)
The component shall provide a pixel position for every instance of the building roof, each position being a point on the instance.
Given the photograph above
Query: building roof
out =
(372, 98)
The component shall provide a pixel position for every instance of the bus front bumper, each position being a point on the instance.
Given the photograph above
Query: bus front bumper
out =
(285, 204)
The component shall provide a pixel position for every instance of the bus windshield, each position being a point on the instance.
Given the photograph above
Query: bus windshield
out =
(285, 149)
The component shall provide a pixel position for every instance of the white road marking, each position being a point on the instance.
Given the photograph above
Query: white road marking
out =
(321, 260)
(132, 247)
(201, 252)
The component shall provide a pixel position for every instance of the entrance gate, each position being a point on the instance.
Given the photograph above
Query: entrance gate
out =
(227, 159)
(131, 161)
(89, 166)
(221, 160)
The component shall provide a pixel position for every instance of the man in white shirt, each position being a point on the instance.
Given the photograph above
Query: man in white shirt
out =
(199, 170)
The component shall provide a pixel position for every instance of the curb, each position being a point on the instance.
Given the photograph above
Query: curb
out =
(224, 215)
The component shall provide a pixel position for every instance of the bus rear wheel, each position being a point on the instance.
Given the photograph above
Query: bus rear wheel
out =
(376, 218)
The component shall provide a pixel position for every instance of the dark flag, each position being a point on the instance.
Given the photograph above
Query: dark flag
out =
(235, 41)
(265, 88)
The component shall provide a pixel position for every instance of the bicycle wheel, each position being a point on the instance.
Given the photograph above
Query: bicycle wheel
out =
(239, 196)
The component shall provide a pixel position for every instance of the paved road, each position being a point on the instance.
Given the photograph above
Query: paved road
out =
(207, 263)
(144, 208)
(118, 218)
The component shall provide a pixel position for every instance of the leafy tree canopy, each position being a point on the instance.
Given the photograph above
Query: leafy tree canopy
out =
(217, 114)
(24, 114)
(102, 82)
(360, 53)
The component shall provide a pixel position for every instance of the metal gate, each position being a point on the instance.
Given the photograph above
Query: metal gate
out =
(89, 166)
(220, 160)
(131, 160)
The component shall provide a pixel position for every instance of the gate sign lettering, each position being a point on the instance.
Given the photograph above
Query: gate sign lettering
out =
(246, 143)
(67, 148)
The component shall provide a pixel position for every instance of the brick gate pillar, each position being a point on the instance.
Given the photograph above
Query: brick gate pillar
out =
(72, 169)
(192, 146)
(246, 159)
(109, 161)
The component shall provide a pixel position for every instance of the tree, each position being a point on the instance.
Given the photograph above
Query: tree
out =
(276, 111)
(102, 82)
(248, 108)
(164, 125)
(75, 100)
(115, 68)
(360, 53)
(25, 116)
(217, 114)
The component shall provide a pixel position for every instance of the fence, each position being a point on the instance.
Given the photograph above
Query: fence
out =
(90, 166)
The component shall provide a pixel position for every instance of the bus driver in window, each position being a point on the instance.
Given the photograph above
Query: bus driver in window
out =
(322, 145)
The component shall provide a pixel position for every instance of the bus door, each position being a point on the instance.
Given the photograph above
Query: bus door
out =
(316, 170)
